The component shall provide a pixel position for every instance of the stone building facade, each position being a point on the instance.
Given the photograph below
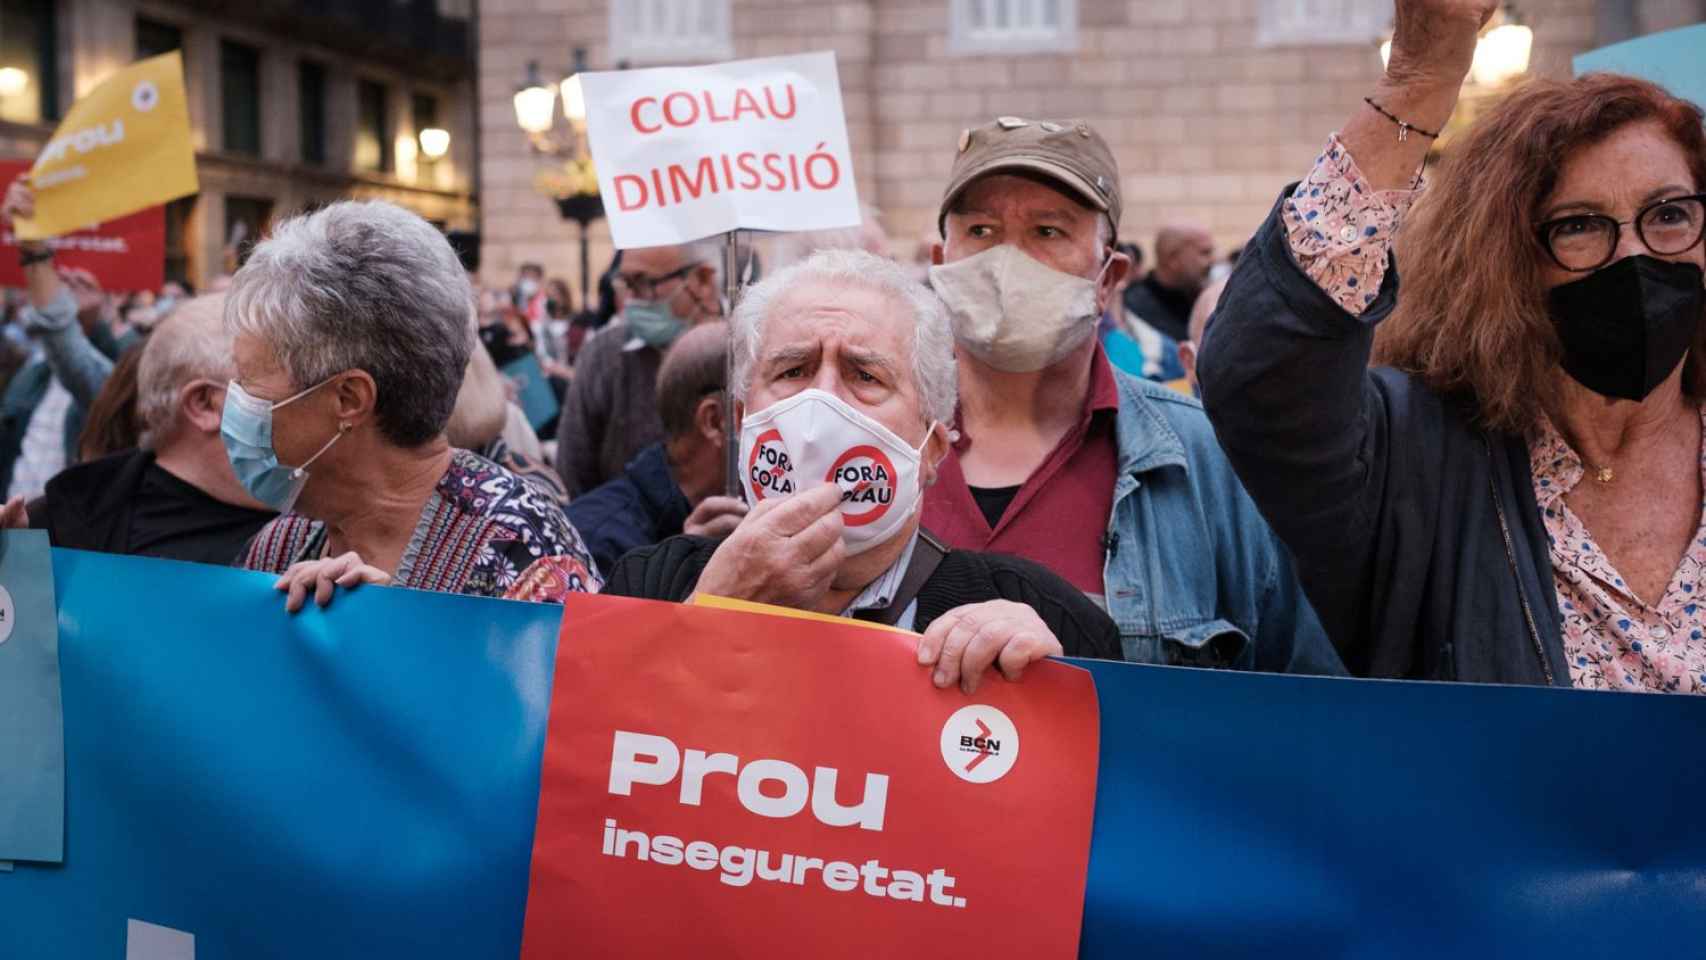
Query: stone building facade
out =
(1210, 105)
(292, 104)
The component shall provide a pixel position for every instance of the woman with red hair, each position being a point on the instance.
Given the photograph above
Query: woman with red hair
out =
(1513, 492)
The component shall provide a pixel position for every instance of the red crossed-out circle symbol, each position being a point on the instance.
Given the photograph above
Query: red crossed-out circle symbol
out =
(867, 481)
(775, 475)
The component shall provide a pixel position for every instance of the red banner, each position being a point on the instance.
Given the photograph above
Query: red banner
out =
(720, 783)
(124, 254)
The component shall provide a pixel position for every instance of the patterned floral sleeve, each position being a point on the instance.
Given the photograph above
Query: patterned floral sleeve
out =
(1340, 228)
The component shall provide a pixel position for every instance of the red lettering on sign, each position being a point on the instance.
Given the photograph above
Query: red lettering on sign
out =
(622, 183)
(634, 115)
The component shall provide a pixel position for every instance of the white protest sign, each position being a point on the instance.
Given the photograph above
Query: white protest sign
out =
(688, 152)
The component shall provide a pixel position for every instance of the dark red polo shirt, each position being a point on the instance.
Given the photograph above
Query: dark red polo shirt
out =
(1060, 514)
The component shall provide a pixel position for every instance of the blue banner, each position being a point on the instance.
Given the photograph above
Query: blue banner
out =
(362, 782)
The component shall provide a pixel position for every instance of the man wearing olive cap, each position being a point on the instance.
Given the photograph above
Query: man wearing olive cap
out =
(1116, 484)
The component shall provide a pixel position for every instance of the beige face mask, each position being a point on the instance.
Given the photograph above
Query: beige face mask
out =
(1013, 312)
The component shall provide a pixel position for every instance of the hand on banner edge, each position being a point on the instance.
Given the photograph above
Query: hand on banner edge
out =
(964, 642)
(323, 577)
(14, 516)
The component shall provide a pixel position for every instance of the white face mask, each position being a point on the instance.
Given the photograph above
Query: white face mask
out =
(813, 438)
(1013, 312)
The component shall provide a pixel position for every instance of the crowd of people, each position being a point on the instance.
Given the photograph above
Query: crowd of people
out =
(1490, 472)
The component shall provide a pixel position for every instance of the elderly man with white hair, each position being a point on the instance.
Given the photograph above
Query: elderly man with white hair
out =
(845, 382)
(351, 331)
(176, 498)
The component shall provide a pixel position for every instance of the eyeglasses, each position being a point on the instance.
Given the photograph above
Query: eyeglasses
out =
(646, 288)
(1587, 241)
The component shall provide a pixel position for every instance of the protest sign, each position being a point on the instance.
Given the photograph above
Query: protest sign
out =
(533, 389)
(801, 790)
(123, 147)
(686, 152)
(362, 781)
(125, 254)
(1674, 59)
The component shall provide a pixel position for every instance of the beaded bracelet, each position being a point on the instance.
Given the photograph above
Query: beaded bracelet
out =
(1404, 126)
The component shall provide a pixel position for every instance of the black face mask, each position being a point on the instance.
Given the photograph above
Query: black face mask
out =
(1625, 327)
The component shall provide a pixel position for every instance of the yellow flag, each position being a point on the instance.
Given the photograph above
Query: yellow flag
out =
(123, 148)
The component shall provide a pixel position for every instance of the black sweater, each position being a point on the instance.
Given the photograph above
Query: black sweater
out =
(670, 570)
(1416, 531)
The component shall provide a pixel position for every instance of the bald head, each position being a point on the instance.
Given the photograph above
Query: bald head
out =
(190, 344)
(1183, 254)
(695, 367)
(1202, 308)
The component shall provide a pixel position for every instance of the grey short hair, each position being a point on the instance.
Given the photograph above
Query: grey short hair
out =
(933, 368)
(190, 344)
(363, 285)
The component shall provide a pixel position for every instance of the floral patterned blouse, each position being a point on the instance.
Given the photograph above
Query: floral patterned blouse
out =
(484, 532)
(1340, 230)
(1612, 639)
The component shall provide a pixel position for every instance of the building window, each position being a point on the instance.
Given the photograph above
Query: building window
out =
(178, 214)
(1012, 26)
(673, 31)
(240, 96)
(1313, 22)
(246, 221)
(373, 128)
(311, 111)
(29, 65)
(154, 38)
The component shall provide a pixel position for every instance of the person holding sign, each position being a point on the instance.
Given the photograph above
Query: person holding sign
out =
(1111, 481)
(844, 381)
(1513, 495)
(352, 328)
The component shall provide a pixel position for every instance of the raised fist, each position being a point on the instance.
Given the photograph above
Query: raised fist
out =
(1434, 40)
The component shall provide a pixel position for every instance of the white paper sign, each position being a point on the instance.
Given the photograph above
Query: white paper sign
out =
(688, 152)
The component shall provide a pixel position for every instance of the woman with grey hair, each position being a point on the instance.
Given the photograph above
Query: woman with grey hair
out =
(351, 335)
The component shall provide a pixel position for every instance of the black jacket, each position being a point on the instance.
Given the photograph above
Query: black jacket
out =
(638, 508)
(670, 570)
(1417, 535)
(1166, 310)
(126, 504)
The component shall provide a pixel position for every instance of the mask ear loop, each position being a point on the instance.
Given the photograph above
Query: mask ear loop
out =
(298, 472)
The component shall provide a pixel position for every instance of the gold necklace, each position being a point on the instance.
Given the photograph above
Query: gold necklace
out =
(1604, 474)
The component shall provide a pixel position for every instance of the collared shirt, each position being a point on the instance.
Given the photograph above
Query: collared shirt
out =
(879, 593)
(1059, 518)
(1612, 639)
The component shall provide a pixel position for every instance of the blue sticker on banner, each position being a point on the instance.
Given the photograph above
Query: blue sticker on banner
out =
(32, 733)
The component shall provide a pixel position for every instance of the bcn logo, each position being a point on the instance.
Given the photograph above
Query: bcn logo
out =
(642, 758)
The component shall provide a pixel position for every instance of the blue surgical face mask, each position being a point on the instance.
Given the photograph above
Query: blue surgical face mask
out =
(654, 321)
(245, 426)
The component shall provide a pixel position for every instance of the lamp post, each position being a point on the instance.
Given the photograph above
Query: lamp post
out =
(575, 186)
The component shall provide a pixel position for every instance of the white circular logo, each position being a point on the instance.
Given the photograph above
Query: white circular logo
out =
(979, 743)
(7, 615)
(146, 96)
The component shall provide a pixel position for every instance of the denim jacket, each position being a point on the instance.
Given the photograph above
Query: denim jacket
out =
(1193, 574)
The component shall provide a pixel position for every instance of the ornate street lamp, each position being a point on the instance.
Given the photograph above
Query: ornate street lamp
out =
(573, 183)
